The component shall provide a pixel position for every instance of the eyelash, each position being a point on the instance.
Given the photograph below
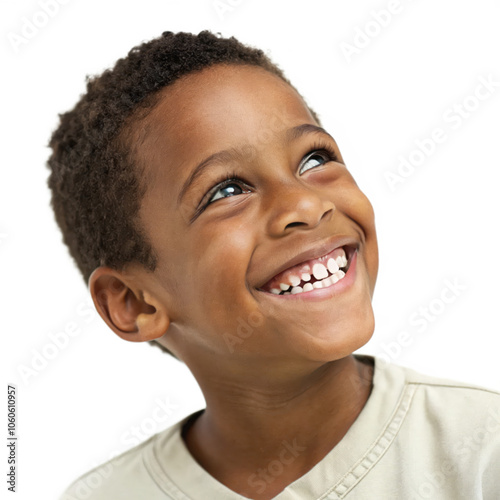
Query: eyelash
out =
(326, 149)
(229, 178)
(232, 177)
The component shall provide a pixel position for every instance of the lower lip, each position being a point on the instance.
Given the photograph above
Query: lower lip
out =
(324, 293)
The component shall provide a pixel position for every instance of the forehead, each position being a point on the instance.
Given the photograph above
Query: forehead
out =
(219, 107)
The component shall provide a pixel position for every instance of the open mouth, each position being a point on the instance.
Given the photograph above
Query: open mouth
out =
(312, 274)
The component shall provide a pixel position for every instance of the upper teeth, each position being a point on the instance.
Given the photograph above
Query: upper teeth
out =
(326, 276)
(333, 266)
(319, 271)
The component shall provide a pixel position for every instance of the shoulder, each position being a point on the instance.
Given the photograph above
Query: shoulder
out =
(450, 391)
(442, 395)
(463, 417)
(438, 408)
(392, 374)
(127, 472)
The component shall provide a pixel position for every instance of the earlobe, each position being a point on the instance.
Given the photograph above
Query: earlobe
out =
(132, 313)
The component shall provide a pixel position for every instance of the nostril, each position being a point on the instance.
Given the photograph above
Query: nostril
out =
(328, 213)
(294, 224)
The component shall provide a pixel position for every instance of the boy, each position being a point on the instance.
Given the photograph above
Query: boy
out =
(197, 192)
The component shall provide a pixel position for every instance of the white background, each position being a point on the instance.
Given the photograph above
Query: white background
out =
(82, 406)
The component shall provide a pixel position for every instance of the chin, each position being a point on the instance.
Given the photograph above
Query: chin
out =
(332, 342)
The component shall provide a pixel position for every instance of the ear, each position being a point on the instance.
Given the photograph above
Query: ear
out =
(123, 302)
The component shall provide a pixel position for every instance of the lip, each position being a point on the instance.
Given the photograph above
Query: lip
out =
(315, 252)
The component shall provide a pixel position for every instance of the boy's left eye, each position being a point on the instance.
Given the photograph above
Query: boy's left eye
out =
(313, 160)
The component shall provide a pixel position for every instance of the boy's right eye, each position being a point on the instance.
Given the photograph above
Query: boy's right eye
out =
(230, 187)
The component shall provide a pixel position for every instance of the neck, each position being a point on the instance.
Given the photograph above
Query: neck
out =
(247, 425)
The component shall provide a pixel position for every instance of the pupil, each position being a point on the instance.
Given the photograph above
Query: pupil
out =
(230, 190)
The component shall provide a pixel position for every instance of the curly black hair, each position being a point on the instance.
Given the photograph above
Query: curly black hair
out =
(95, 183)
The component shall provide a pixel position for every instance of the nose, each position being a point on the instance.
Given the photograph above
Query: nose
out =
(297, 206)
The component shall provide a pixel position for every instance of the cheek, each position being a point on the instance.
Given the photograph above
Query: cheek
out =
(354, 203)
(365, 213)
(217, 270)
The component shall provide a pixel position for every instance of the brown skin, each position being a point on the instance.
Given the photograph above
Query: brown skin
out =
(295, 363)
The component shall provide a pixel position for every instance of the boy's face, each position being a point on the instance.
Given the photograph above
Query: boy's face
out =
(220, 245)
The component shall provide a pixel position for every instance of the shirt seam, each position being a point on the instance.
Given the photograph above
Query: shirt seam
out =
(452, 386)
(160, 477)
(377, 450)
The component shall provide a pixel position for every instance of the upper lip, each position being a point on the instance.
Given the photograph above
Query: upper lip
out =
(314, 252)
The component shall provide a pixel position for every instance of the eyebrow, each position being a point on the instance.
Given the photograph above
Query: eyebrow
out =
(228, 155)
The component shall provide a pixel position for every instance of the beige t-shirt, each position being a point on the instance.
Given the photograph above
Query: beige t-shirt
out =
(418, 437)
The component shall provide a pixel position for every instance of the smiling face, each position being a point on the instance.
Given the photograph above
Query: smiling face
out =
(247, 193)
